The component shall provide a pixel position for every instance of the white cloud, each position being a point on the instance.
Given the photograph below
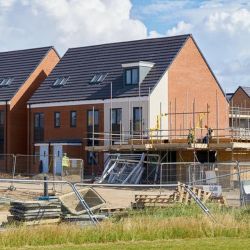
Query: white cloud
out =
(221, 29)
(181, 28)
(70, 23)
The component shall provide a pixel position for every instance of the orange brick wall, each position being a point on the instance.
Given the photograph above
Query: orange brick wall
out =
(190, 79)
(16, 130)
(65, 132)
(240, 99)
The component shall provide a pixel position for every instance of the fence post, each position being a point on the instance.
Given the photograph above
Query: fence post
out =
(160, 178)
(11, 187)
(242, 200)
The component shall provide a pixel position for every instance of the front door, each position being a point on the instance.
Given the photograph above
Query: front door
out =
(44, 157)
(58, 154)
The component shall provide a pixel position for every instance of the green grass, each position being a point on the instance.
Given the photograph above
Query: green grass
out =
(187, 244)
(182, 223)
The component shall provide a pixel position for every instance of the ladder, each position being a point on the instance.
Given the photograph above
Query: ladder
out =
(199, 203)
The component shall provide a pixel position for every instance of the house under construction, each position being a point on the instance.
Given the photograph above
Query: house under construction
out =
(152, 96)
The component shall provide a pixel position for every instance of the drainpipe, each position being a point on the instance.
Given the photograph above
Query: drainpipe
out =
(6, 134)
(28, 136)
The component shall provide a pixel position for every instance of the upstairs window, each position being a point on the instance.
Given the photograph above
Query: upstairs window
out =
(137, 119)
(73, 119)
(93, 119)
(60, 81)
(38, 127)
(132, 76)
(57, 119)
(1, 118)
(98, 78)
(6, 81)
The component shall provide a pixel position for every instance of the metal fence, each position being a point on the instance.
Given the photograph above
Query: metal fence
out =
(35, 166)
(230, 179)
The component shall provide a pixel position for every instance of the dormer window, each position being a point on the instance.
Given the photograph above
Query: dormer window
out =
(135, 72)
(98, 78)
(6, 81)
(132, 76)
(60, 81)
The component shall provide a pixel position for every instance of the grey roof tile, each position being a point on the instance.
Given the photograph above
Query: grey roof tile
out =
(247, 90)
(80, 64)
(19, 65)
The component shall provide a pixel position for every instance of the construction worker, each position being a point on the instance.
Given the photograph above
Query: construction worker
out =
(65, 163)
(208, 136)
(190, 137)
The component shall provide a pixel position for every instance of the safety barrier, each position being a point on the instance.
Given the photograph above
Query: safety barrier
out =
(32, 166)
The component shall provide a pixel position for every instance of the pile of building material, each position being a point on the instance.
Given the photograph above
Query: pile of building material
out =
(35, 212)
(144, 200)
(183, 194)
(123, 170)
(73, 210)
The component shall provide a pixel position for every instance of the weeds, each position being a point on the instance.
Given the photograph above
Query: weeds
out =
(177, 222)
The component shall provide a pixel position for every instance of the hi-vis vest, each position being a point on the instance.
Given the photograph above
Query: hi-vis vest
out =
(65, 161)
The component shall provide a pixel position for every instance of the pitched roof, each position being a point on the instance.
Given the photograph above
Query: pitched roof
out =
(81, 64)
(229, 96)
(247, 90)
(18, 65)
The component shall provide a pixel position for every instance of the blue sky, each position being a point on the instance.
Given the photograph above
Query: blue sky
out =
(220, 27)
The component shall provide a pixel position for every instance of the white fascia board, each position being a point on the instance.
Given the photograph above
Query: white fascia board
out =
(69, 103)
(138, 64)
(41, 144)
(126, 99)
(4, 103)
(72, 103)
(66, 144)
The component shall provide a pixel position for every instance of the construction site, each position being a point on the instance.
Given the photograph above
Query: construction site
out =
(155, 168)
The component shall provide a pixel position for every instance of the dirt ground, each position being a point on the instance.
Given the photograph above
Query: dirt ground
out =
(114, 197)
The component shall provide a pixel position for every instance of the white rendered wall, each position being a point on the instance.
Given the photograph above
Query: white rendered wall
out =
(127, 105)
(158, 103)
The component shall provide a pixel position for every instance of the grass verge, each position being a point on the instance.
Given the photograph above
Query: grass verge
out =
(148, 225)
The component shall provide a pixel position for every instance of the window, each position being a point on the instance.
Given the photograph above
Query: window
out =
(6, 81)
(98, 78)
(1, 118)
(57, 119)
(60, 81)
(137, 119)
(38, 127)
(116, 120)
(132, 76)
(90, 121)
(73, 119)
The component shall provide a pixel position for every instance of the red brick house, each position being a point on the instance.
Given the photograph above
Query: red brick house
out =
(239, 115)
(21, 73)
(122, 88)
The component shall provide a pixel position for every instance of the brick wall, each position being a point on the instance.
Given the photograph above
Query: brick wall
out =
(190, 79)
(65, 132)
(16, 123)
(240, 99)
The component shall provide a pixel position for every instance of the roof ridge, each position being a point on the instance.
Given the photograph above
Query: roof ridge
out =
(19, 50)
(129, 41)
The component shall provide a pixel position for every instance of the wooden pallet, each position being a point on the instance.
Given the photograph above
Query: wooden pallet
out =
(180, 195)
(111, 210)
